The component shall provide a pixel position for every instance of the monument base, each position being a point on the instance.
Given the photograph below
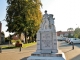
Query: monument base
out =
(51, 56)
(45, 58)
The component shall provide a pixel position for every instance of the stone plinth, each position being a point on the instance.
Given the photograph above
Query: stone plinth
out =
(46, 41)
(47, 48)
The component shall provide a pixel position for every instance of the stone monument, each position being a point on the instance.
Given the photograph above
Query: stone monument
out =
(47, 48)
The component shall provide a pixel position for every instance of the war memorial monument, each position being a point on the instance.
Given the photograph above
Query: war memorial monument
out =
(47, 47)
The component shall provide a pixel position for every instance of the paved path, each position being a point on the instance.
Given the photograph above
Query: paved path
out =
(14, 54)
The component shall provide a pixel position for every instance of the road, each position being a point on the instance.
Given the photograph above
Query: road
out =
(69, 53)
(15, 54)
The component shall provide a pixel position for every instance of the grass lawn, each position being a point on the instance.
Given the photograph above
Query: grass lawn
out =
(28, 44)
(8, 47)
(23, 46)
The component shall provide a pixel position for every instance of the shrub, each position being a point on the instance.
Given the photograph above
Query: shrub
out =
(15, 42)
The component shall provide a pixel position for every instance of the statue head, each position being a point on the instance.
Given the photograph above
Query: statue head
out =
(45, 11)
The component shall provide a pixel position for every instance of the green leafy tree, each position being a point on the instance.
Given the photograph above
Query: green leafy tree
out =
(77, 33)
(23, 16)
(15, 15)
(33, 17)
(2, 33)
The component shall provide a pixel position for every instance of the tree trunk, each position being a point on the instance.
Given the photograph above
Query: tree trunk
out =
(20, 36)
(25, 38)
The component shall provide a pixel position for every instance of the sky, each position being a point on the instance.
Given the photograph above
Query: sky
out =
(66, 13)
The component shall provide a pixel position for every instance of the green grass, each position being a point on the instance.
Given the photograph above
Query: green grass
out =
(9, 47)
(28, 44)
(23, 46)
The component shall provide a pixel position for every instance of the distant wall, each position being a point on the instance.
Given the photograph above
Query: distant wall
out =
(0, 31)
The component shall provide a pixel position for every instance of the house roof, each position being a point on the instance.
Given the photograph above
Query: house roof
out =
(15, 37)
(64, 32)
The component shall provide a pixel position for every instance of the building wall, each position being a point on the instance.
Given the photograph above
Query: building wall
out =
(0, 31)
(16, 37)
(22, 37)
(63, 34)
(2, 39)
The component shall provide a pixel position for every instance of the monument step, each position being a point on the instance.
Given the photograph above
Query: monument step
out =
(47, 54)
(45, 58)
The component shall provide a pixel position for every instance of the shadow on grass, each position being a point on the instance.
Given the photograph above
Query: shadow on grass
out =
(25, 58)
(76, 57)
(12, 47)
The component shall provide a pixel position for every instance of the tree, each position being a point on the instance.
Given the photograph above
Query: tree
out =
(21, 14)
(77, 33)
(14, 17)
(33, 17)
(2, 33)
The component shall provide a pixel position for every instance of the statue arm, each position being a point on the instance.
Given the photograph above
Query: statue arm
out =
(53, 18)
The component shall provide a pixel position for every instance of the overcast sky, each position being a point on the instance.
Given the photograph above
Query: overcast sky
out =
(66, 13)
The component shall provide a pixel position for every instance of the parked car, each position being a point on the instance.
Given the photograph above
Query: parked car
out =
(67, 40)
(74, 40)
(62, 39)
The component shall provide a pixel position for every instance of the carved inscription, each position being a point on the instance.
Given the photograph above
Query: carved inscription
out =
(46, 43)
(46, 36)
(46, 40)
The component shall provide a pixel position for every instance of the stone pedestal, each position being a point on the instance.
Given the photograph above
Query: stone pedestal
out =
(46, 41)
(47, 48)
